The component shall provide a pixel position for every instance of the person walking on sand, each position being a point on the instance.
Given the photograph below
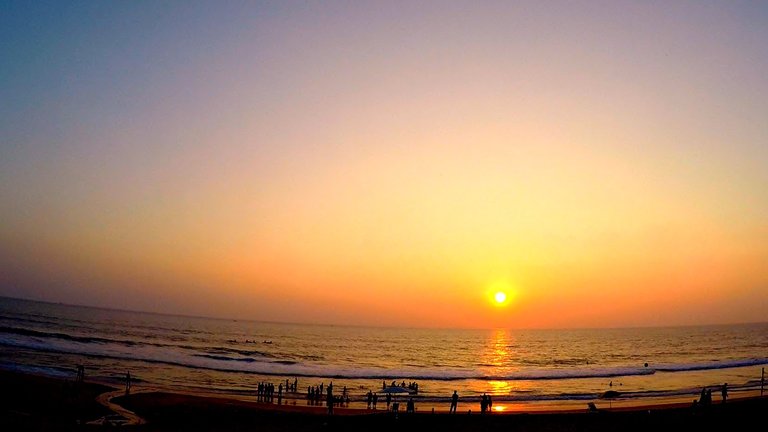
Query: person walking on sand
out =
(454, 402)
(369, 398)
(724, 392)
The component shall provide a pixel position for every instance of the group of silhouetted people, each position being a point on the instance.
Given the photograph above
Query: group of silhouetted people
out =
(486, 403)
(265, 392)
(413, 385)
(315, 396)
(291, 386)
(372, 399)
(705, 398)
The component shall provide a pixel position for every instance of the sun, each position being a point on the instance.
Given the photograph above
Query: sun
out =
(500, 293)
(500, 297)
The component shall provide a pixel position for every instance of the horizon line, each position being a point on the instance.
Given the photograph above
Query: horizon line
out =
(219, 318)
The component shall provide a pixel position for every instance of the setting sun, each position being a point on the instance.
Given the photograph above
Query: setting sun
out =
(500, 297)
(500, 293)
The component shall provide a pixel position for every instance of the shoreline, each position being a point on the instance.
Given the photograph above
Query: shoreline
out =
(297, 402)
(34, 402)
(501, 406)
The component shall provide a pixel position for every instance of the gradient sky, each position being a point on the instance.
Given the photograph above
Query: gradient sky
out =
(387, 163)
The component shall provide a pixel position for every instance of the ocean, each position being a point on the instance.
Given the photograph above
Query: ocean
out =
(519, 368)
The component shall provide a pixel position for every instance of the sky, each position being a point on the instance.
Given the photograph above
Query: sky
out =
(388, 163)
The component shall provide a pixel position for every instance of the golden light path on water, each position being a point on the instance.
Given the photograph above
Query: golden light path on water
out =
(497, 360)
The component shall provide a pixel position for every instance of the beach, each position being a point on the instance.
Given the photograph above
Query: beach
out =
(32, 402)
(522, 370)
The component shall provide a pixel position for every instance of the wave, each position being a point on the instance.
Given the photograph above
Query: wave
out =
(225, 350)
(102, 340)
(224, 358)
(725, 364)
(283, 367)
(256, 362)
(57, 335)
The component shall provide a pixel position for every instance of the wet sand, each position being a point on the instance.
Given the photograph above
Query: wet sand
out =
(39, 403)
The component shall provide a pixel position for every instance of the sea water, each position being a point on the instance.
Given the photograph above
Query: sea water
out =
(204, 355)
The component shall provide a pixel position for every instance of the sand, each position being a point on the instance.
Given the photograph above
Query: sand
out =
(39, 403)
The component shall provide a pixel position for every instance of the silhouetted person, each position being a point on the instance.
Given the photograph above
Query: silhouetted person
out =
(703, 396)
(490, 403)
(127, 383)
(724, 392)
(369, 398)
(388, 399)
(483, 404)
(410, 407)
(454, 402)
(375, 399)
(80, 374)
(329, 399)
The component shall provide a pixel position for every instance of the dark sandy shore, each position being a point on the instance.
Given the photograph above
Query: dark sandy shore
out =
(33, 403)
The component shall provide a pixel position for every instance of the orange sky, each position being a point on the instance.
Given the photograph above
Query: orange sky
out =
(387, 164)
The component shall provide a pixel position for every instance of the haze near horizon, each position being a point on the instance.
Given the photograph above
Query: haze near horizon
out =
(597, 163)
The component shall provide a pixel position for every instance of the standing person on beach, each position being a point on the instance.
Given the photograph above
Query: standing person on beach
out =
(329, 399)
(369, 397)
(724, 392)
(454, 402)
(375, 399)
